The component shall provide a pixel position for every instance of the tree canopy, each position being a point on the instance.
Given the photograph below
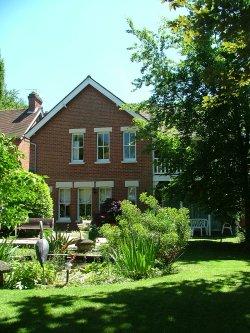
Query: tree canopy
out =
(8, 98)
(199, 107)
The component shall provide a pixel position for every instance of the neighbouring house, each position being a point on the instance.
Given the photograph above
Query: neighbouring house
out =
(16, 123)
(87, 147)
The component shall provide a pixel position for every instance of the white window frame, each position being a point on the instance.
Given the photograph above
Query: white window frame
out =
(135, 198)
(63, 219)
(128, 130)
(106, 188)
(78, 201)
(77, 131)
(102, 131)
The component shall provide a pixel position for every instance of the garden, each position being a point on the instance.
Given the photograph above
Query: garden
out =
(130, 245)
(207, 289)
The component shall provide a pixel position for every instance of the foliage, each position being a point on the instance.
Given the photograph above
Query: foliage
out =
(141, 237)
(27, 274)
(197, 65)
(109, 210)
(22, 193)
(102, 273)
(25, 194)
(8, 98)
(7, 250)
(59, 242)
(9, 155)
(135, 256)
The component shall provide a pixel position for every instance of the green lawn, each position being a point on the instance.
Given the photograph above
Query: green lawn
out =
(210, 292)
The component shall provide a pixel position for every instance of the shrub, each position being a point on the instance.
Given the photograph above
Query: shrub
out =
(27, 274)
(25, 194)
(141, 237)
(109, 211)
(59, 242)
(7, 250)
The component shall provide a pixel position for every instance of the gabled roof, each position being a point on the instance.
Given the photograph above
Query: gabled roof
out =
(74, 93)
(17, 122)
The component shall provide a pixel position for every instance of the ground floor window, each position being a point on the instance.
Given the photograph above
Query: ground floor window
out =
(84, 203)
(104, 193)
(64, 204)
(132, 194)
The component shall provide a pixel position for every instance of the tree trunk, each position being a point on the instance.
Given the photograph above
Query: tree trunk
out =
(246, 189)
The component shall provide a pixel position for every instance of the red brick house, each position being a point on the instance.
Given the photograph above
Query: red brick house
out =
(87, 147)
(16, 123)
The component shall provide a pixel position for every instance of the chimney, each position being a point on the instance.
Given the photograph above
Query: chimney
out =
(35, 102)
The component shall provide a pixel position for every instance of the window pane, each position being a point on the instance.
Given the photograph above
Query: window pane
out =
(75, 154)
(100, 153)
(62, 210)
(109, 193)
(100, 139)
(88, 210)
(132, 152)
(85, 195)
(104, 193)
(126, 152)
(126, 138)
(77, 148)
(80, 140)
(67, 211)
(132, 194)
(106, 139)
(80, 155)
(82, 210)
(106, 153)
(75, 139)
(64, 195)
(132, 139)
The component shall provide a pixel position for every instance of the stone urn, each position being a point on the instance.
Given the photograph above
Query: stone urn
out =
(84, 245)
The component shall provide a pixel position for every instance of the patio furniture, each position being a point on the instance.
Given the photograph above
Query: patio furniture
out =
(199, 224)
(226, 226)
(34, 224)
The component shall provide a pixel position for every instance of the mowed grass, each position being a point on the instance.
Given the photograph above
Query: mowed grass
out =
(208, 292)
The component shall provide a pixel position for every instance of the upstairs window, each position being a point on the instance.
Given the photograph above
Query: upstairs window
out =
(129, 146)
(77, 146)
(103, 145)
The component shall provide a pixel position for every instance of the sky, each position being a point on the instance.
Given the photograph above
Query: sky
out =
(50, 46)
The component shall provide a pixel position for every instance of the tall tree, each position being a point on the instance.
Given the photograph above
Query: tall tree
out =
(200, 114)
(8, 98)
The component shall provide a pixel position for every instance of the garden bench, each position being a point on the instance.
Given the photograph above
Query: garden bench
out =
(199, 224)
(33, 224)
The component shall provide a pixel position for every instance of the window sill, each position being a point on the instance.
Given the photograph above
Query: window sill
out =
(129, 161)
(102, 162)
(76, 162)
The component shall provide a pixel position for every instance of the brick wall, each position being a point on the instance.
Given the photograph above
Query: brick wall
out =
(88, 110)
(24, 147)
